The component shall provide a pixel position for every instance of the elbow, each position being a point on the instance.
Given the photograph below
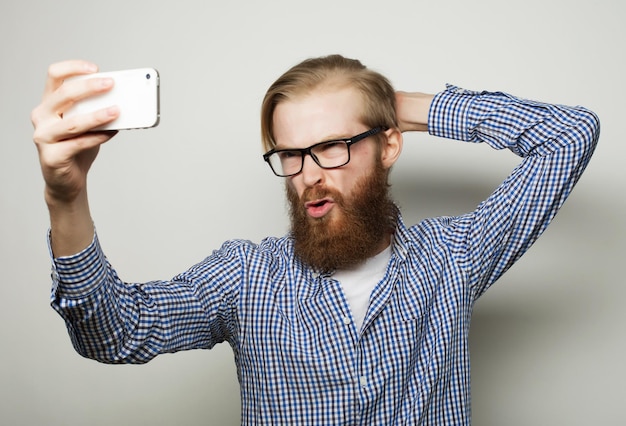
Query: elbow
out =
(111, 350)
(105, 358)
(590, 126)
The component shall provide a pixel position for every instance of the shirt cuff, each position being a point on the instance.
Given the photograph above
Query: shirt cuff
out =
(80, 274)
(449, 111)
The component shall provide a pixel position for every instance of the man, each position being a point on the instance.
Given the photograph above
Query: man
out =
(353, 317)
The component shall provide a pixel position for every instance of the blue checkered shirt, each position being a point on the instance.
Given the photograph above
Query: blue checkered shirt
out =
(300, 358)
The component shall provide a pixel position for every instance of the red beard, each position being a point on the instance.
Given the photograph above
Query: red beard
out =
(349, 234)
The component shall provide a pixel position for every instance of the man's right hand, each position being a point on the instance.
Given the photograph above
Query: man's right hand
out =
(67, 149)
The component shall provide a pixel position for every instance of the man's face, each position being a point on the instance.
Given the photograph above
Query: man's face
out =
(340, 216)
(323, 115)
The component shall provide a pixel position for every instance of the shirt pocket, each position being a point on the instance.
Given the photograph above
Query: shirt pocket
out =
(312, 360)
(302, 340)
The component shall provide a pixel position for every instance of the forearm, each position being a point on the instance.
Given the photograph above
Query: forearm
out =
(527, 128)
(119, 322)
(412, 110)
(71, 225)
(107, 320)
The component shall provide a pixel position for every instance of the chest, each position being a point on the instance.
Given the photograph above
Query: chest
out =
(308, 329)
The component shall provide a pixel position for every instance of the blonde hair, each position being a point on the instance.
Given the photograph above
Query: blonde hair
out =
(379, 102)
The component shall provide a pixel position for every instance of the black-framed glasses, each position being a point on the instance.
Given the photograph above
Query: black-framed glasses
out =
(328, 154)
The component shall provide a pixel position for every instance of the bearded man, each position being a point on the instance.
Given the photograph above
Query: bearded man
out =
(353, 317)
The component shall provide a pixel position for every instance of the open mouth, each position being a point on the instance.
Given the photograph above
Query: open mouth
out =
(319, 208)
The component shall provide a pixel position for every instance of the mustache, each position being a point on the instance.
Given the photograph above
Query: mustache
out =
(319, 192)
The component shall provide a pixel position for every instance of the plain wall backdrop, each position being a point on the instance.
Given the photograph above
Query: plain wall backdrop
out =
(547, 341)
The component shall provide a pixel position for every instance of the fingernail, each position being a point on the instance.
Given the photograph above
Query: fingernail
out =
(107, 82)
(89, 67)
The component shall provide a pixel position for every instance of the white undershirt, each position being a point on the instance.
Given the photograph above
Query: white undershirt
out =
(359, 282)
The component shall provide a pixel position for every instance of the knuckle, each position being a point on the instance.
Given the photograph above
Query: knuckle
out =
(35, 115)
(73, 129)
(53, 71)
(39, 137)
(70, 95)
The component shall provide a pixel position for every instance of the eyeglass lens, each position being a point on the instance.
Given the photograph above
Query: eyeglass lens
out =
(328, 155)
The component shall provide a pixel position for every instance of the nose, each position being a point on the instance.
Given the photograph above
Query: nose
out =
(312, 173)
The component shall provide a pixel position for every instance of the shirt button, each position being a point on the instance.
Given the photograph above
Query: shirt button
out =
(347, 320)
(363, 381)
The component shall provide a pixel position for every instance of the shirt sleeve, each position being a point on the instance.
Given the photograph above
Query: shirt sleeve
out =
(79, 273)
(555, 142)
(117, 322)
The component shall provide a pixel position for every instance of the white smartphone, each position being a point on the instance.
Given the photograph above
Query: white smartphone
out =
(136, 93)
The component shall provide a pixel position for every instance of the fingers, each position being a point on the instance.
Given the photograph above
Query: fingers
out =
(55, 156)
(62, 70)
(60, 94)
(55, 103)
(52, 129)
(90, 140)
(72, 91)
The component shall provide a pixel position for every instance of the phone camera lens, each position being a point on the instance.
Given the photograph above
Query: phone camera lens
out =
(148, 76)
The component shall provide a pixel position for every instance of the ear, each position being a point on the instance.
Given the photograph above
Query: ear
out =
(392, 148)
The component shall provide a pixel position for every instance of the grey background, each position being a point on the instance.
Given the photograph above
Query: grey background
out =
(547, 342)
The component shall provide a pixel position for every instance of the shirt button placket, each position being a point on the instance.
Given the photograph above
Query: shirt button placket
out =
(363, 381)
